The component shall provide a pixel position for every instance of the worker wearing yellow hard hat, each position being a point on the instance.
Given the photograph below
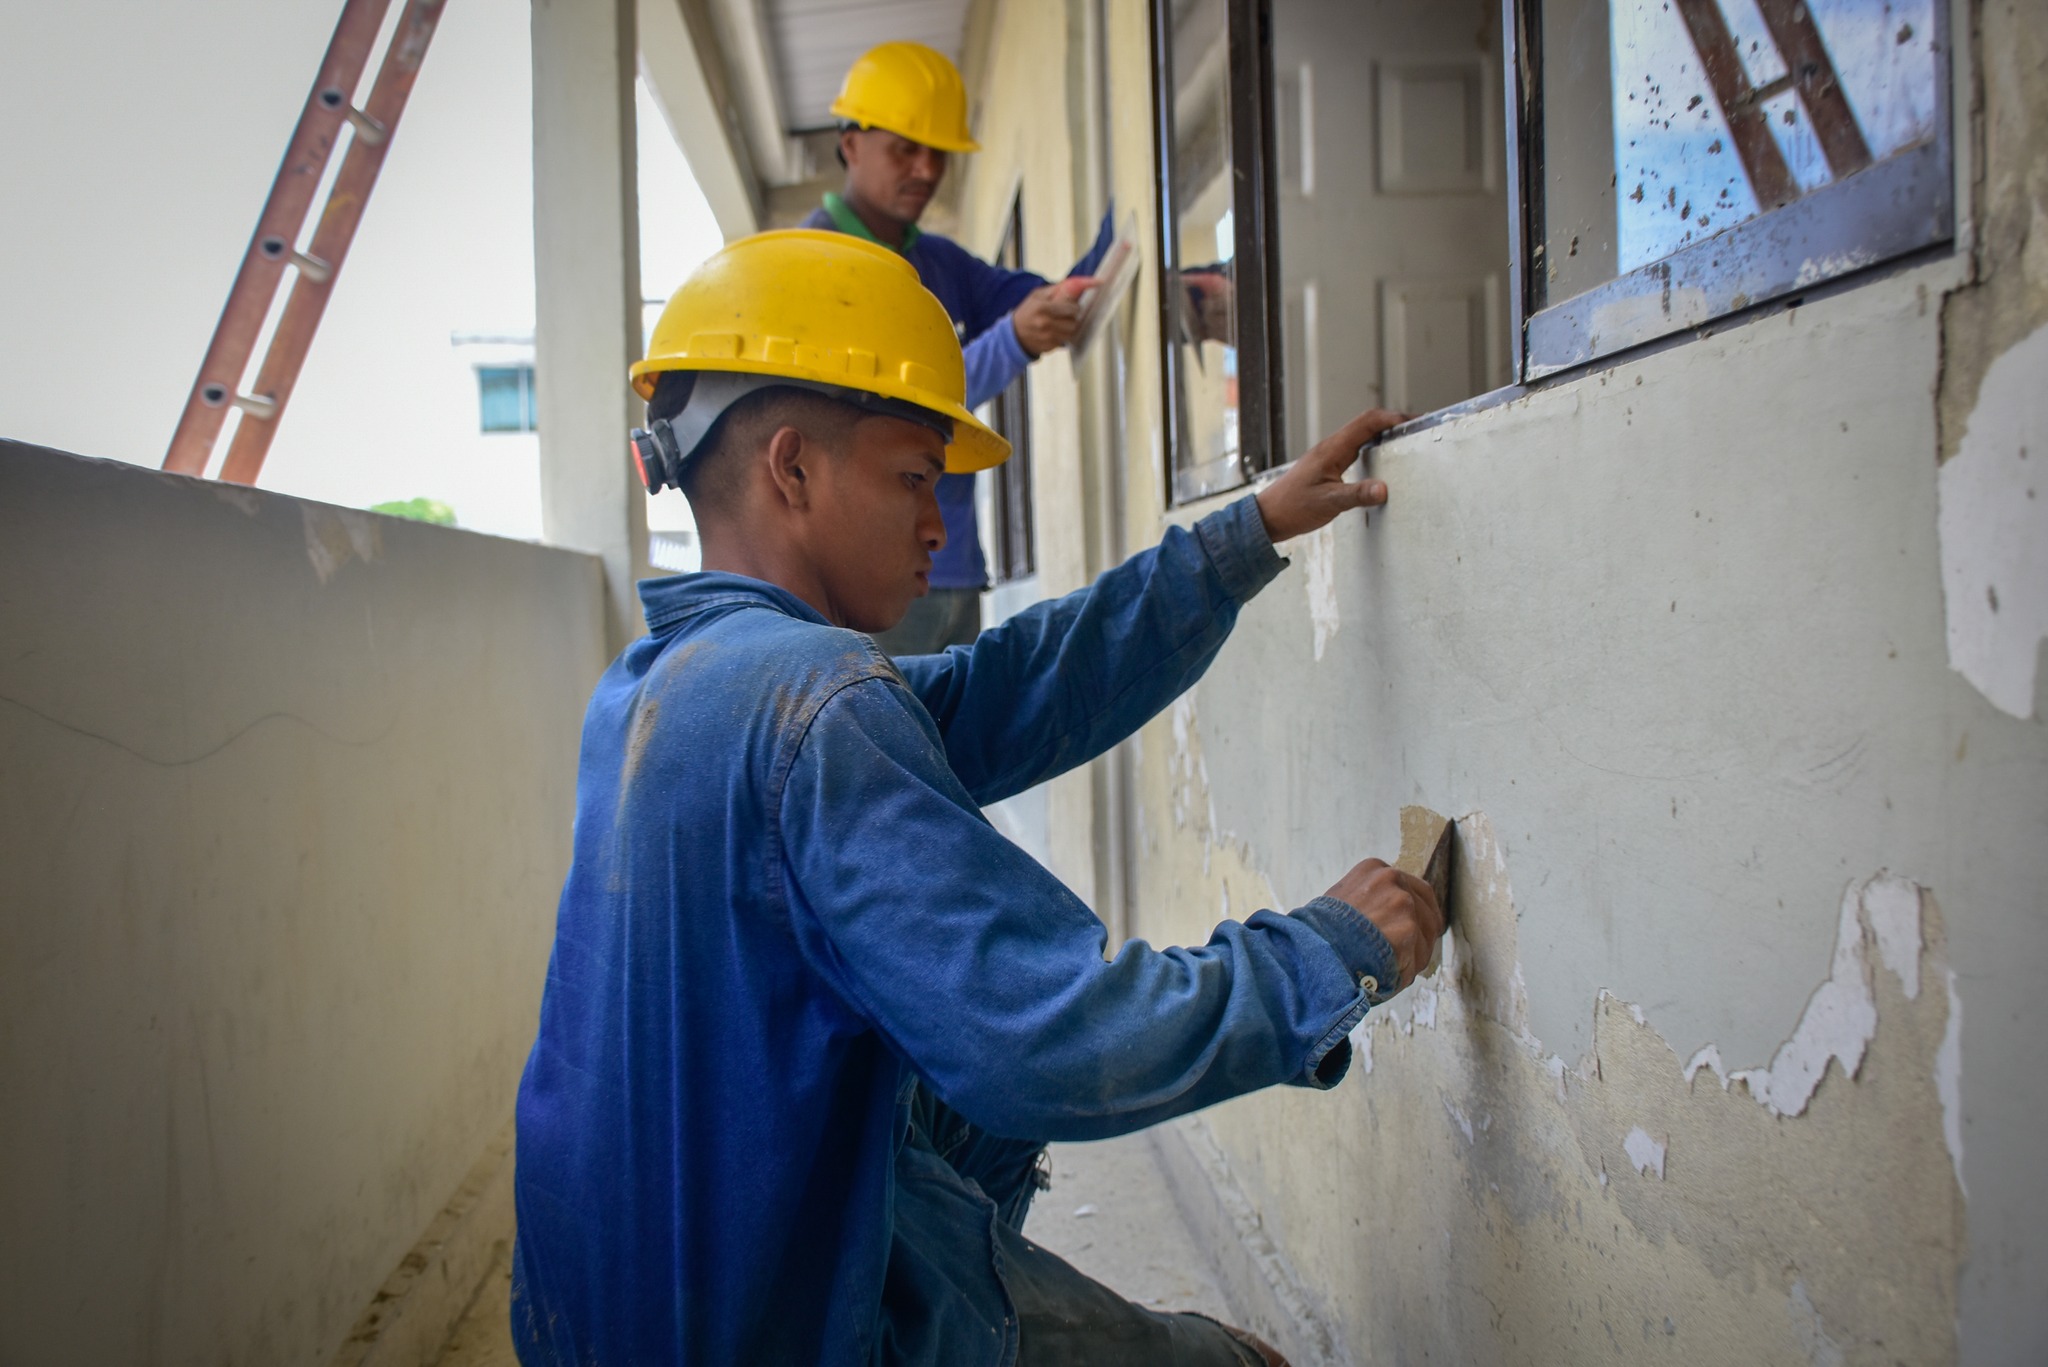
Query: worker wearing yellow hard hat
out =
(903, 112)
(809, 1018)
(822, 312)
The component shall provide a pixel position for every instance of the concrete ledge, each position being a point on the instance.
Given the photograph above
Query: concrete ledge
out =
(421, 1302)
(1265, 1293)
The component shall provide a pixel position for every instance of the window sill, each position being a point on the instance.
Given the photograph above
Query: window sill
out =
(1837, 230)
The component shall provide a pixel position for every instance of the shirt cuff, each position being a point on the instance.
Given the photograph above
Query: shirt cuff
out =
(1359, 943)
(1012, 345)
(1235, 538)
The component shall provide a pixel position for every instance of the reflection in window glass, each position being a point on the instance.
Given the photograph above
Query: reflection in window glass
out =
(1717, 111)
(1202, 313)
(1012, 539)
(1391, 211)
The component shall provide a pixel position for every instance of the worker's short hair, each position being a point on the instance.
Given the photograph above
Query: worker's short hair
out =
(845, 126)
(713, 477)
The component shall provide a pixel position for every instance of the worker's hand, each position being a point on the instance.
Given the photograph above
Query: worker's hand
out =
(1212, 300)
(1314, 491)
(1049, 314)
(1402, 906)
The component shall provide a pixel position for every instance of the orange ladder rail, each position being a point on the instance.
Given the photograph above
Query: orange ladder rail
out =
(218, 386)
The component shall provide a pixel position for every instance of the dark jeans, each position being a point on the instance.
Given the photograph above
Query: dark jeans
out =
(1065, 1319)
(943, 617)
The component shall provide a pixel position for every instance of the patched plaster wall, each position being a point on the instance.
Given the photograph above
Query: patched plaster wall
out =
(286, 807)
(1747, 993)
(1693, 669)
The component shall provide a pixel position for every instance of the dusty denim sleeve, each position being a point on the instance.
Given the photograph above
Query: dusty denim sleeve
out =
(987, 975)
(1065, 680)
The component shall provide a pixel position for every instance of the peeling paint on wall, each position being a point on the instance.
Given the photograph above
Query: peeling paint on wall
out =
(1821, 1348)
(1994, 531)
(1318, 554)
(239, 497)
(1775, 1241)
(1645, 1153)
(1948, 1079)
(334, 536)
(1841, 1017)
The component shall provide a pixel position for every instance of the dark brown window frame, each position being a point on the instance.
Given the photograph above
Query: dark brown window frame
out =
(1261, 411)
(1013, 540)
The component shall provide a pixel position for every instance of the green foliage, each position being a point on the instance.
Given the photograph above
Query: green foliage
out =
(419, 510)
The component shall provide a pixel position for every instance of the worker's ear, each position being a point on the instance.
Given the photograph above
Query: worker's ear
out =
(849, 146)
(789, 452)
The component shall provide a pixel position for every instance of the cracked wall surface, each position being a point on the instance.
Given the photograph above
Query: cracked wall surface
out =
(1746, 997)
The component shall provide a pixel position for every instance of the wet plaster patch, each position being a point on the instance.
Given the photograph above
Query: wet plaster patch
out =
(1993, 523)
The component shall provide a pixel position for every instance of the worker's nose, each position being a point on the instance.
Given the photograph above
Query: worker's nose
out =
(928, 163)
(931, 523)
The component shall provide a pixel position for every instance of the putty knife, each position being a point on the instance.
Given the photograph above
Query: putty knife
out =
(1426, 853)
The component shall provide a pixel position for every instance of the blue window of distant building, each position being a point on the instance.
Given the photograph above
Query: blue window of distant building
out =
(505, 398)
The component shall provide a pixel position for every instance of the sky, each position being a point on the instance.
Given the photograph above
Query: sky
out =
(143, 139)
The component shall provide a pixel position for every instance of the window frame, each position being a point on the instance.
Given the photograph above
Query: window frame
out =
(529, 416)
(1013, 543)
(1261, 395)
(1851, 224)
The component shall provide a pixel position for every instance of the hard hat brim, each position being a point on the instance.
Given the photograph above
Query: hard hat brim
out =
(852, 113)
(975, 446)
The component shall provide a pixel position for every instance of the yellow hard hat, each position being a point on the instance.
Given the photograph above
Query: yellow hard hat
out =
(823, 310)
(910, 90)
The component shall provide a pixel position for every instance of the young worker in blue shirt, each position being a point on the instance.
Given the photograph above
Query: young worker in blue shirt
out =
(903, 109)
(809, 1019)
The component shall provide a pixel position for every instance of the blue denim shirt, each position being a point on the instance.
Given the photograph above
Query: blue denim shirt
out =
(785, 907)
(979, 298)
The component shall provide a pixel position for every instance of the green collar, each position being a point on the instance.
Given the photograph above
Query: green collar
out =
(847, 221)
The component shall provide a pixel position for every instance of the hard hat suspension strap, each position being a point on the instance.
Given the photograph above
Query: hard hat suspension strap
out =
(664, 446)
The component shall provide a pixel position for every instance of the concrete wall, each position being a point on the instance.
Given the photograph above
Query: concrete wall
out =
(1728, 659)
(286, 804)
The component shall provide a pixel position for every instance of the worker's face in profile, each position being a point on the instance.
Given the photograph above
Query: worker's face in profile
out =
(891, 173)
(875, 521)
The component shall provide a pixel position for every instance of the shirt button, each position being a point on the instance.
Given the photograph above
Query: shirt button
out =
(1368, 984)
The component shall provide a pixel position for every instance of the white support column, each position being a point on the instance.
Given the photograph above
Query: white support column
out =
(586, 255)
(672, 64)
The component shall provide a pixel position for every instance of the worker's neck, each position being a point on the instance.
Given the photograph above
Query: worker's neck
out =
(727, 551)
(888, 229)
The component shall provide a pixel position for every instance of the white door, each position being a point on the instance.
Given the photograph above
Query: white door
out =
(1393, 210)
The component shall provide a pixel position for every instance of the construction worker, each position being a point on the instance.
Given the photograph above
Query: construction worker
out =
(902, 111)
(809, 1019)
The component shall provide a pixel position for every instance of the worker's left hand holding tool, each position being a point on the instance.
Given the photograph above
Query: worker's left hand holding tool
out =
(1311, 494)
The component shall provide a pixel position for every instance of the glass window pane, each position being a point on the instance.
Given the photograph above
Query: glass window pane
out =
(501, 393)
(1668, 122)
(1012, 539)
(1202, 313)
